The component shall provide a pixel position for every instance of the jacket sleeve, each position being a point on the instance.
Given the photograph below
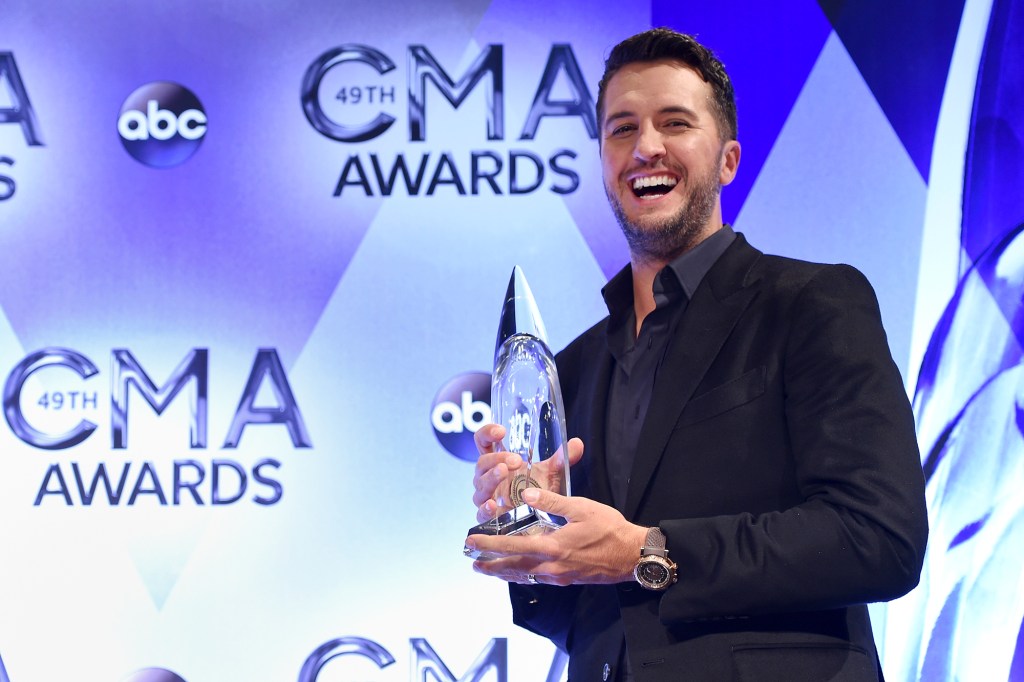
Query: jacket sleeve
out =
(858, 528)
(545, 610)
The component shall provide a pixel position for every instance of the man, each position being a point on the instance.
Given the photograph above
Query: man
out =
(752, 478)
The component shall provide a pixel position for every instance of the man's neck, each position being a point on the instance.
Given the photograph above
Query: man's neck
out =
(645, 268)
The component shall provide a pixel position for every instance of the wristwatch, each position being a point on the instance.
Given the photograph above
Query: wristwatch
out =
(654, 570)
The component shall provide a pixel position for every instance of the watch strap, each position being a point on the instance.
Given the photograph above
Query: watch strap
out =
(654, 544)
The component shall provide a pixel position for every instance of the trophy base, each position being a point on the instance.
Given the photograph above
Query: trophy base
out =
(523, 520)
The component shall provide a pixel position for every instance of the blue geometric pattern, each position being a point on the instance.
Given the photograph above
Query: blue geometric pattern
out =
(994, 172)
(965, 619)
(903, 49)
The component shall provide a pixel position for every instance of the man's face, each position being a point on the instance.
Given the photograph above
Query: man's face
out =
(663, 161)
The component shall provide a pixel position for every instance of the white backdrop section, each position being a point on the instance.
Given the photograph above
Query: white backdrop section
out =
(366, 538)
(397, 486)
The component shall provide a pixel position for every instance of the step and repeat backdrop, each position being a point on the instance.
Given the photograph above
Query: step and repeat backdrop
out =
(252, 256)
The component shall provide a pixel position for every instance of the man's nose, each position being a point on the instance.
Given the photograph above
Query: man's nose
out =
(650, 145)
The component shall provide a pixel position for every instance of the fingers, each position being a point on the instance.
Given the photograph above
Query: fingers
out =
(558, 459)
(509, 553)
(575, 450)
(495, 468)
(487, 437)
(524, 570)
(492, 472)
(488, 511)
(512, 570)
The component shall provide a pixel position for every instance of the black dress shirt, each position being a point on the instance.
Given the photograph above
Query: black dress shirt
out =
(638, 357)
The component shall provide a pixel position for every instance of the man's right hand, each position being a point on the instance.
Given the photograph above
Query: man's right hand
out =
(496, 468)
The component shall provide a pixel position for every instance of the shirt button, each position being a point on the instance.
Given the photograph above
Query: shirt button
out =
(606, 673)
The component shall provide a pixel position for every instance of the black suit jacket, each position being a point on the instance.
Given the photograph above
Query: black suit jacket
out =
(779, 457)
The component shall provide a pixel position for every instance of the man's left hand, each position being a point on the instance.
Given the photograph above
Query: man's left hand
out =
(597, 546)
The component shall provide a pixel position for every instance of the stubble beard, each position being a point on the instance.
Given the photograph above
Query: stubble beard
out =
(654, 239)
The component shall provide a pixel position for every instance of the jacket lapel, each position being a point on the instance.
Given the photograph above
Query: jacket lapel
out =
(710, 316)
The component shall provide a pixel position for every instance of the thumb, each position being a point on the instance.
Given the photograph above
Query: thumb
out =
(547, 501)
(575, 450)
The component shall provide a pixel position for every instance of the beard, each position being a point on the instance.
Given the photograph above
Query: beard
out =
(662, 239)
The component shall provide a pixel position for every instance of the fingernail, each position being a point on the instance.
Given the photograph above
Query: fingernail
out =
(530, 495)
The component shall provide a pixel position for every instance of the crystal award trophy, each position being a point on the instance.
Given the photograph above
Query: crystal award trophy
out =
(527, 401)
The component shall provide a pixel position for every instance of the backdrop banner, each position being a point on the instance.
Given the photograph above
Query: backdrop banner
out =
(252, 256)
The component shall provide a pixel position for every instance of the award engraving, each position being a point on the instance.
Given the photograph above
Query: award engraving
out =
(527, 401)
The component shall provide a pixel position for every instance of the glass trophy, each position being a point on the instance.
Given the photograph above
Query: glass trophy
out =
(527, 401)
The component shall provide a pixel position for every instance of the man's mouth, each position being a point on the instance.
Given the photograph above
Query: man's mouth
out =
(653, 186)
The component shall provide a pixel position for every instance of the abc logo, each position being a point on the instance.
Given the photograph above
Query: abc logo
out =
(162, 124)
(461, 407)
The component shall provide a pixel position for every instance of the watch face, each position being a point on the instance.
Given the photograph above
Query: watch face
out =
(654, 573)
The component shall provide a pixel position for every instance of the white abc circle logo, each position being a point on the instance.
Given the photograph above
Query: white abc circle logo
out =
(162, 124)
(467, 414)
(459, 409)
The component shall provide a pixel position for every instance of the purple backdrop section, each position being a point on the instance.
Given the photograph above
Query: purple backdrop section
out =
(769, 54)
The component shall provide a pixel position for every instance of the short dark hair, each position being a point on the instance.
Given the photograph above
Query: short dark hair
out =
(664, 43)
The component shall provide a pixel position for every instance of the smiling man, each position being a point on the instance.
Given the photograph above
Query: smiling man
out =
(751, 479)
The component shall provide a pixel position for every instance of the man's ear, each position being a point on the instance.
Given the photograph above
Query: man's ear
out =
(730, 162)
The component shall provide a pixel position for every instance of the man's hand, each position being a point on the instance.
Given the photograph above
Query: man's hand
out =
(597, 546)
(496, 468)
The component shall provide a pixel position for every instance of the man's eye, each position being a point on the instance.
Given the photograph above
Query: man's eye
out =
(619, 130)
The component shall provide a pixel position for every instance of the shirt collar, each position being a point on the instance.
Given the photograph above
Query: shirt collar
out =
(686, 271)
(691, 266)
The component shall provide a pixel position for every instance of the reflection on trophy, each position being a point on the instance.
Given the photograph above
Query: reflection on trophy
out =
(527, 401)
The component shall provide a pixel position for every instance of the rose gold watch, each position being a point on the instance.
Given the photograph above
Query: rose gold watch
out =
(654, 570)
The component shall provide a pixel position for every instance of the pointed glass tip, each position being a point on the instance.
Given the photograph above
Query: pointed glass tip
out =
(519, 313)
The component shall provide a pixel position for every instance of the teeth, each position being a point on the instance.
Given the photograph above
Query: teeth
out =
(654, 181)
